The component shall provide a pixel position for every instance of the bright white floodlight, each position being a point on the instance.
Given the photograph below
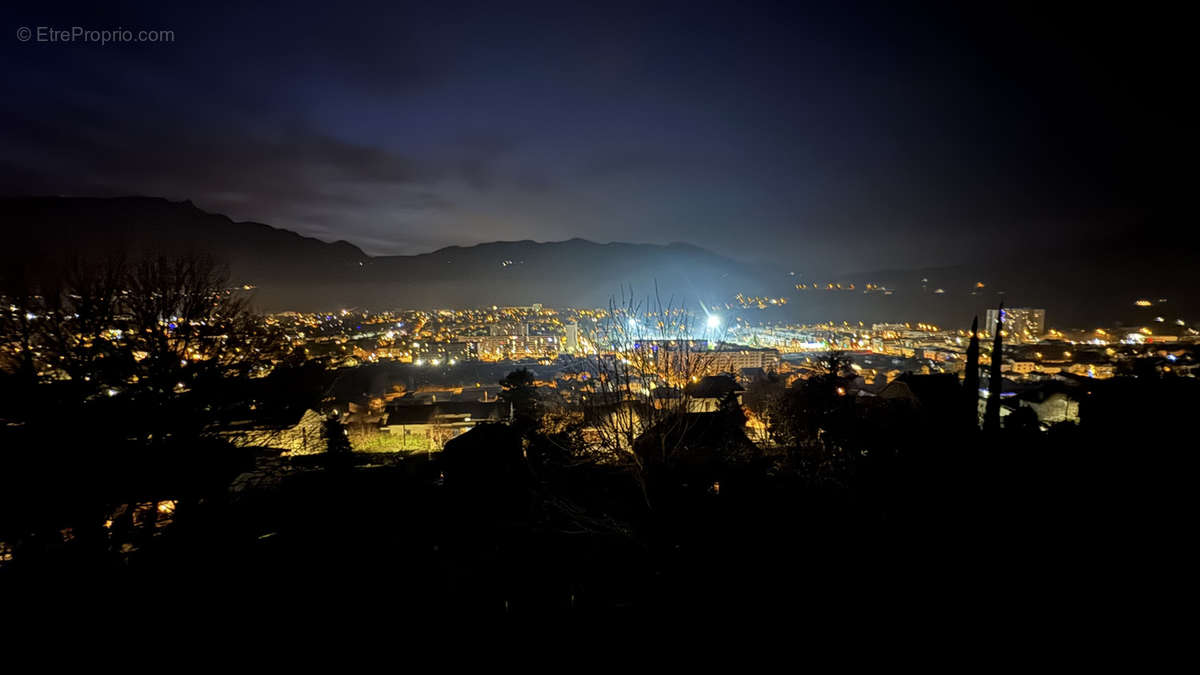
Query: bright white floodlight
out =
(714, 321)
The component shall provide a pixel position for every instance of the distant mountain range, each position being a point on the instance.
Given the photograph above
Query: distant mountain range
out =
(1088, 286)
(302, 273)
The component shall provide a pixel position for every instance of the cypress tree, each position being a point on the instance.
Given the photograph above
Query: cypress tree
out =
(971, 377)
(991, 414)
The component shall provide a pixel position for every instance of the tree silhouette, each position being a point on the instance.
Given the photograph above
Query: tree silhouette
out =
(971, 376)
(991, 415)
(150, 359)
(517, 390)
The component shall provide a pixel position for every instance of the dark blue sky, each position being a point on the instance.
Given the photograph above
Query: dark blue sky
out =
(829, 137)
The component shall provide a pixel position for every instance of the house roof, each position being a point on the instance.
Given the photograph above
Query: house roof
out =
(932, 391)
(476, 411)
(267, 419)
(712, 386)
(695, 437)
(752, 373)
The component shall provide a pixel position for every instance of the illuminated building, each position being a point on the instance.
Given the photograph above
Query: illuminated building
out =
(733, 358)
(572, 331)
(1021, 324)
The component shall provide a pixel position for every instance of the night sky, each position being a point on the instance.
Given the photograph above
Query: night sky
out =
(834, 137)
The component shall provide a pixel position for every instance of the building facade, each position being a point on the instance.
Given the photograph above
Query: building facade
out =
(1021, 324)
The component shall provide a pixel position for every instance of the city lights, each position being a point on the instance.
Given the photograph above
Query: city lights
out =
(461, 311)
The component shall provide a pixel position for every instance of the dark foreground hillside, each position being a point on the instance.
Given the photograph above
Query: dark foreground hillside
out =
(1069, 524)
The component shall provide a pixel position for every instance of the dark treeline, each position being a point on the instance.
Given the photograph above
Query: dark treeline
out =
(635, 501)
(113, 377)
